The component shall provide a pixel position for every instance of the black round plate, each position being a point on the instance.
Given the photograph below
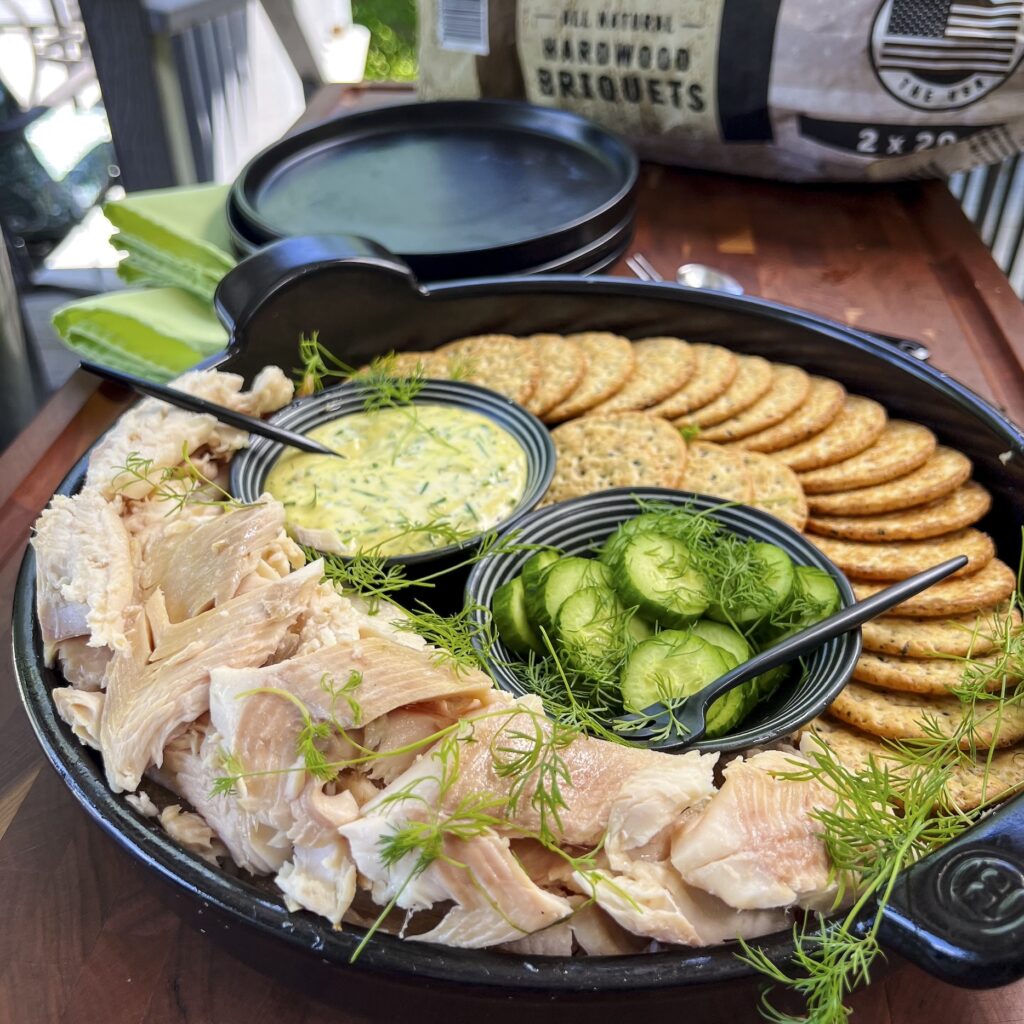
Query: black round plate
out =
(482, 187)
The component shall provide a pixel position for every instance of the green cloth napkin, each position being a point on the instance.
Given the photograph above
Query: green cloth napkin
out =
(155, 333)
(175, 237)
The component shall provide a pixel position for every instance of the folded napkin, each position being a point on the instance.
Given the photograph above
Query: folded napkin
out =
(175, 237)
(155, 333)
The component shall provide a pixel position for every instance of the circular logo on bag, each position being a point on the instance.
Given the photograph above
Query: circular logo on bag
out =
(946, 54)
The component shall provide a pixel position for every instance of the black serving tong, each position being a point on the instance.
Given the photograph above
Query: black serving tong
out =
(691, 716)
(183, 400)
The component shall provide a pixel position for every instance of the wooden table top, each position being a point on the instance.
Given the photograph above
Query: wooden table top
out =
(85, 938)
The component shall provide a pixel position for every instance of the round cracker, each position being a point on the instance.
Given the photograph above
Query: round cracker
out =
(915, 716)
(786, 393)
(718, 472)
(966, 505)
(776, 489)
(935, 676)
(970, 783)
(824, 400)
(752, 380)
(984, 589)
(628, 449)
(419, 364)
(497, 361)
(662, 367)
(562, 366)
(942, 474)
(900, 449)
(961, 635)
(858, 425)
(896, 561)
(714, 369)
(610, 361)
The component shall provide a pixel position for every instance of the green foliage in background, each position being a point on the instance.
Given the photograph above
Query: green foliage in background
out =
(392, 24)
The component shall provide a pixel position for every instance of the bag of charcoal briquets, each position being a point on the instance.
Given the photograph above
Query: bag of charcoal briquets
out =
(795, 89)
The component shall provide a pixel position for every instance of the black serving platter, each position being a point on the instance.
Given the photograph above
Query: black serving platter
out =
(958, 913)
(482, 187)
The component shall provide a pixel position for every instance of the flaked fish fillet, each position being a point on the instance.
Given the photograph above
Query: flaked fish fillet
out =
(84, 667)
(208, 565)
(189, 830)
(84, 573)
(653, 901)
(160, 432)
(756, 844)
(162, 682)
(192, 763)
(82, 710)
(404, 729)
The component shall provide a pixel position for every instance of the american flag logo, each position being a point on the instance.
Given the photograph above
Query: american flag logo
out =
(945, 40)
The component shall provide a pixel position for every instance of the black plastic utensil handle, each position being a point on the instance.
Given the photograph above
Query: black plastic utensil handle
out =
(692, 717)
(192, 403)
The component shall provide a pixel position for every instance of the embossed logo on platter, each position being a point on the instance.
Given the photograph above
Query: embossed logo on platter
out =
(946, 54)
(985, 889)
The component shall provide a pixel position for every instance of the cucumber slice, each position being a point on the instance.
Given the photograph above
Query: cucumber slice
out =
(725, 637)
(779, 574)
(508, 608)
(819, 587)
(814, 597)
(534, 566)
(558, 582)
(768, 682)
(727, 712)
(654, 576)
(673, 663)
(639, 628)
(591, 631)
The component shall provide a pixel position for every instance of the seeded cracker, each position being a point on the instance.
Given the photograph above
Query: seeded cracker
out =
(610, 361)
(786, 393)
(903, 716)
(959, 636)
(776, 489)
(629, 449)
(822, 405)
(496, 361)
(662, 367)
(967, 787)
(928, 676)
(900, 449)
(752, 380)
(714, 370)
(960, 596)
(859, 424)
(896, 561)
(562, 366)
(942, 474)
(425, 364)
(718, 472)
(966, 505)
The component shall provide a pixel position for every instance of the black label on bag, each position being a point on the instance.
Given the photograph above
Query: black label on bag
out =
(887, 140)
(746, 40)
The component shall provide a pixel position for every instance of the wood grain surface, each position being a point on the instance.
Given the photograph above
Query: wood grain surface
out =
(85, 937)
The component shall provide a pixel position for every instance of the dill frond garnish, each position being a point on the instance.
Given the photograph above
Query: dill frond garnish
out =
(461, 640)
(181, 485)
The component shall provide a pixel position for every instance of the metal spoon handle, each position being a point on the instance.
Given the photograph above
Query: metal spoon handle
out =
(193, 403)
(692, 715)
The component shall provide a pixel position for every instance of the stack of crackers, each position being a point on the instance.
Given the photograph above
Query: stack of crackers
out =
(880, 497)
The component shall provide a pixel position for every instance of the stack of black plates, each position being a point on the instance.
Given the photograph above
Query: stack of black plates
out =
(456, 189)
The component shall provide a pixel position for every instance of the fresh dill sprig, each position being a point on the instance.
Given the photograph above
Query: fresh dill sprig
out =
(180, 485)
(461, 640)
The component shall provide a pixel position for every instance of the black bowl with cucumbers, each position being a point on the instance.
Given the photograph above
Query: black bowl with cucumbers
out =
(635, 600)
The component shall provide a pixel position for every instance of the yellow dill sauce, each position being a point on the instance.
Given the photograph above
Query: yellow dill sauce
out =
(410, 476)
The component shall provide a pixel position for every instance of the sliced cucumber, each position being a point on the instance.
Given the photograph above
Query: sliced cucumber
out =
(638, 628)
(768, 682)
(509, 610)
(779, 574)
(672, 663)
(534, 566)
(723, 636)
(820, 588)
(558, 582)
(654, 575)
(814, 597)
(591, 631)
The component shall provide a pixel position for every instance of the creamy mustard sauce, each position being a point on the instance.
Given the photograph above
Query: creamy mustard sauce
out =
(406, 472)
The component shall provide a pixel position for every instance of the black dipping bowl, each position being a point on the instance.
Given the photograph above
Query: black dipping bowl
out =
(250, 467)
(579, 527)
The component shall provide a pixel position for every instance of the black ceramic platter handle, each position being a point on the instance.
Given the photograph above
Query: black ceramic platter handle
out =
(456, 188)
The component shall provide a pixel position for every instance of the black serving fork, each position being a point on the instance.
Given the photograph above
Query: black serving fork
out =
(192, 403)
(691, 715)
